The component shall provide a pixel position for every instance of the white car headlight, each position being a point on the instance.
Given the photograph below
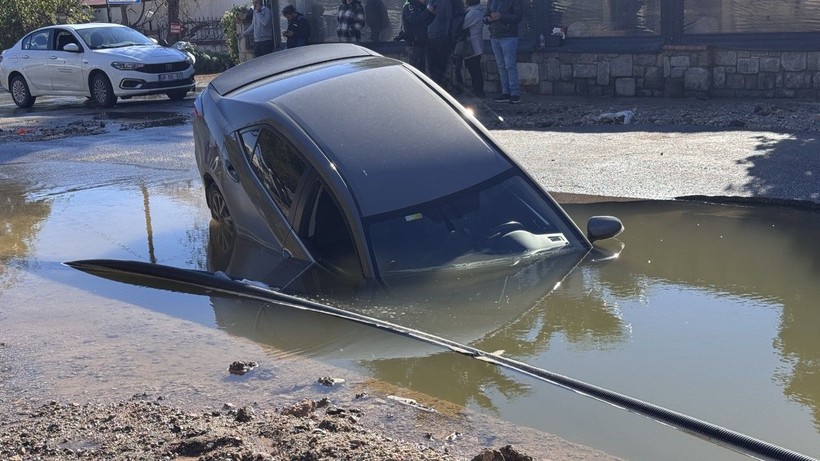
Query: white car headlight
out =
(127, 65)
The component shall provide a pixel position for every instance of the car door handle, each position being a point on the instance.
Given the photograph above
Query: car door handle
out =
(231, 171)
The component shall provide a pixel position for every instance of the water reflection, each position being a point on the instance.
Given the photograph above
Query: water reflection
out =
(707, 288)
(20, 220)
(764, 254)
(461, 305)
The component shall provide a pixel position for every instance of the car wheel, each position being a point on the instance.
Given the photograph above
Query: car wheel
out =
(218, 206)
(20, 92)
(176, 95)
(101, 91)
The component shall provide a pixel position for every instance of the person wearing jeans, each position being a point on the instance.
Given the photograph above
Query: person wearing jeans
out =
(503, 17)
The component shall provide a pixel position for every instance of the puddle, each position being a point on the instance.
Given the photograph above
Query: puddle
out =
(138, 120)
(709, 310)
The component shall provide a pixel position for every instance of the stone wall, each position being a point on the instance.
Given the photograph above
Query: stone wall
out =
(677, 71)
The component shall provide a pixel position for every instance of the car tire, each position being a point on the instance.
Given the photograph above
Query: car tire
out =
(218, 206)
(20, 92)
(101, 90)
(177, 95)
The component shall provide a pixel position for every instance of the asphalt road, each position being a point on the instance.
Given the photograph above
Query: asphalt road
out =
(668, 164)
(660, 162)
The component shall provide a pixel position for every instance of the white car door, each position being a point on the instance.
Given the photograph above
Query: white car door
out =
(66, 67)
(34, 58)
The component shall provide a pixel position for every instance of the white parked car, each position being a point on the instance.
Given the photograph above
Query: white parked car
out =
(96, 60)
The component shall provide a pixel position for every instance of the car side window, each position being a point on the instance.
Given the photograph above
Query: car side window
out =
(36, 41)
(63, 38)
(276, 163)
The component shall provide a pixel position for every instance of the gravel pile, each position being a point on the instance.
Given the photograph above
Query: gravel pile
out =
(139, 429)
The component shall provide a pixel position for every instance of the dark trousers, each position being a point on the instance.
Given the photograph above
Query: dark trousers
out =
(262, 48)
(438, 53)
(417, 56)
(473, 65)
(457, 86)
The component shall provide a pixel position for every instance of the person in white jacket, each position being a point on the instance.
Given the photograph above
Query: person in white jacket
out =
(473, 21)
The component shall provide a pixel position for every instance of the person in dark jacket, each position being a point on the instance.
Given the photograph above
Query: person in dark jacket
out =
(503, 17)
(415, 18)
(375, 16)
(350, 21)
(439, 47)
(298, 32)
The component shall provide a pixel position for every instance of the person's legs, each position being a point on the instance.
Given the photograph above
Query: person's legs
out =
(509, 49)
(473, 65)
(267, 47)
(458, 78)
(416, 56)
(430, 54)
(437, 53)
(498, 52)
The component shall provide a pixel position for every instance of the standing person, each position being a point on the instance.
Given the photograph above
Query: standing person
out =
(375, 15)
(350, 21)
(473, 22)
(438, 39)
(415, 18)
(298, 32)
(454, 32)
(261, 29)
(503, 17)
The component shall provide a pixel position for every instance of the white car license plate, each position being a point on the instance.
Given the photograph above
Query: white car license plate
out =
(170, 77)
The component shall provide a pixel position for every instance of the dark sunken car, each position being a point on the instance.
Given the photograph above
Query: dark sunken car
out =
(336, 158)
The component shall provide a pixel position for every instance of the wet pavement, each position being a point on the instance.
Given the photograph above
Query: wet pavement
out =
(654, 160)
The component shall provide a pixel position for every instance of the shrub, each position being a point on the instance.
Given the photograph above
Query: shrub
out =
(19, 17)
(230, 19)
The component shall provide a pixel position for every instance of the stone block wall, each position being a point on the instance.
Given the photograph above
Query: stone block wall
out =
(677, 71)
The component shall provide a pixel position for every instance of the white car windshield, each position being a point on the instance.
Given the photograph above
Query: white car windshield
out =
(113, 37)
(496, 222)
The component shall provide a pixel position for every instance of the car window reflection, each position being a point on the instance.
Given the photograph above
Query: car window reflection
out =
(100, 38)
(328, 235)
(37, 41)
(276, 163)
(491, 223)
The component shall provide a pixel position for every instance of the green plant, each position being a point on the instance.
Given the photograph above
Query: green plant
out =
(18, 17)
(208, 62)
(230, 19)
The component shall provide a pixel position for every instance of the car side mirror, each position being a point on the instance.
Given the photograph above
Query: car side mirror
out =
(72, 47)
(603, 227)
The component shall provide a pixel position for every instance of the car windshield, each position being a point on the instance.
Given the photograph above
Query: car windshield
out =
(499, 221)
(113, 37)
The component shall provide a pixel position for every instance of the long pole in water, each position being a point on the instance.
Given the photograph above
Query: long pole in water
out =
(209, 282)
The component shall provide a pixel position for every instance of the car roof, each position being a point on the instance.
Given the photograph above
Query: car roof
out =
(388, 131)
(88, 25)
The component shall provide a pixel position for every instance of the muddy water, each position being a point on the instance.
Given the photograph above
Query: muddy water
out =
(708, 310)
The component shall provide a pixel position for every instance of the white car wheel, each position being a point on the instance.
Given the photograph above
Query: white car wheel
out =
(102, 91)
(20, 92)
